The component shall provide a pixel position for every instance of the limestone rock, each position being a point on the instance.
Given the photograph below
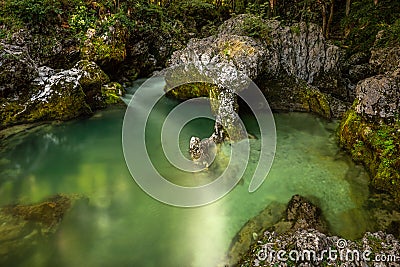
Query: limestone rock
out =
(17, 69)
(300, 214)
(57, 95)
(379, 96)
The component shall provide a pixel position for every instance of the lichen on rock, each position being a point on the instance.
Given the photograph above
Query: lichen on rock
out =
(16, 68)
(57, 95)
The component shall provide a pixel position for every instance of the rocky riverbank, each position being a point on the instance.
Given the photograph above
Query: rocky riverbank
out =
(302, 227)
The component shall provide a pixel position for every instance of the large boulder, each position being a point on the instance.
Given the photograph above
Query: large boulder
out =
(47, 48)
(309, 247)
(57, 95)
(289, 63)
(303, 229)
(301, 51)
(300, 214)
(379, 96)
(17, 69)
(370, 130)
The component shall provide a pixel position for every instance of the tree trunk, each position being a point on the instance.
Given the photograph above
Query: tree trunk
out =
(328, 26)
(348, 3)
(324, 19)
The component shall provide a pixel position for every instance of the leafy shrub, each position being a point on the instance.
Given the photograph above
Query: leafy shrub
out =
(255, 27)
(35, 12)
(391, 35)
(365, 20)
(194, 14)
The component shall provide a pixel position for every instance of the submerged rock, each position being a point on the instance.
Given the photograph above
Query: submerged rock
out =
(23, 226)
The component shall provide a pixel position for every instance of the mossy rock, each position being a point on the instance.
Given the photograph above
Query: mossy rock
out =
(315, 101)
(23, 226)
(69, 102)
(376, 146)
(112, 92)
(191, 90)
(92, 79)
(102, 52)
(92, 74)
(287, 94)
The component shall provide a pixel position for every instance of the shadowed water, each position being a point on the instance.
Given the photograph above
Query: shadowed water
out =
(122, 226)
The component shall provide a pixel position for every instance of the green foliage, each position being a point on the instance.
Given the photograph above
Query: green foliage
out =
(255, 27)
(35, 12)
(377, 146)
(82, 19)
(366, 19)
(195, 15)
(262, 10)
(295, 29)
(390, 36)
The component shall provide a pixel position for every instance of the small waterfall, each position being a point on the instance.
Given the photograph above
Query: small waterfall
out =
(130, 91)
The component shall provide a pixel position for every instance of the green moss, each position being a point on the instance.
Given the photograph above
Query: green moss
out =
(366, 19)
(191, 90)
(390, 36)
(102, 53)
(236, 48)
(377, 146)
(93, 76)
(112, 92)
(295, 29)
(70, 104)
(315, 101)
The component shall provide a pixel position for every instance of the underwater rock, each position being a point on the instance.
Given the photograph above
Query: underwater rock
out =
(250, 232)
(302, 214)
(23, 226)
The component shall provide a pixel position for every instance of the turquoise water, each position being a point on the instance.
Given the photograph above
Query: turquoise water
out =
(122, 226)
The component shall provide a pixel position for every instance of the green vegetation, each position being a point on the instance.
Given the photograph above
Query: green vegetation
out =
(377, 146)
(254, 26)
(366, 19)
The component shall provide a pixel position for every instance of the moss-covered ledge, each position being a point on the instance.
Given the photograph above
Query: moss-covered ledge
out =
(377, 146)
